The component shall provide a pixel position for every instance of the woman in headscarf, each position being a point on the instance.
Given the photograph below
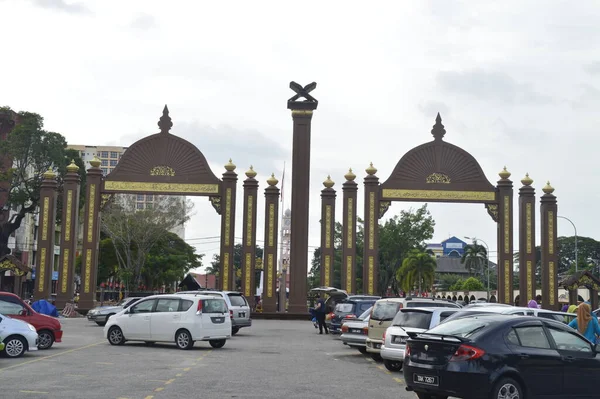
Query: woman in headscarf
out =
(532, 304)
(572, 309)
(587, 325)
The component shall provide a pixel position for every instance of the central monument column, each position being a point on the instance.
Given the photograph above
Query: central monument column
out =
(302, 115)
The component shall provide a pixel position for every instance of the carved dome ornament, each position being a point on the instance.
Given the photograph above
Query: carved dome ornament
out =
(371, 170)
(251, 173)
(72, 167)
(328, 183)
(272, 181)
(350, 176)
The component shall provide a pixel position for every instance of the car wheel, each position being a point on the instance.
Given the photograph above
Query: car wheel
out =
(115, 336)
(183, 340)
(14, 346)
(392, 365)
(362, 350)
(45, 339)
(422, 395)
(235, 330)
(217, 343)
(507, 388)
(376, 357)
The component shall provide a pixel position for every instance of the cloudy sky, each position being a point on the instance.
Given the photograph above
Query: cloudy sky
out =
(517, 84)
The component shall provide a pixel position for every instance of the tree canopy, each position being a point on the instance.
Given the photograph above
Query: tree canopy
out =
(27, 153)
(474, 258)
(417, 271)
(215, 265)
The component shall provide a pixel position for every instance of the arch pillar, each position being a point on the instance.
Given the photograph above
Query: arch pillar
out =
(249, 237)
(228, 194)
(45, 240)
(505, 238)
(348, 275)
(327, 232)
(527, 261)
(371, 232)
(549, 241)
(269, 298)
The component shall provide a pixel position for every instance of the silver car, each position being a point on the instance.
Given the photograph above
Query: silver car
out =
(101, 314)
(239, 309)
(354, 332)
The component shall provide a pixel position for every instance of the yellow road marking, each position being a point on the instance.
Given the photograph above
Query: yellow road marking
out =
(387, 372)
(178, 375)
(149, 397)
(380, 367)
(156, 380)
(399, 380)
(39, 392)
(187, 369)
(51, 356)
(170, 381)
(158, 389)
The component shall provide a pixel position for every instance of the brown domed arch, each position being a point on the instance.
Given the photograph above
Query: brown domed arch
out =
(438, 171)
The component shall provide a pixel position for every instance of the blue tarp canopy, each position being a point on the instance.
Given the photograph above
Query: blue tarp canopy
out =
(44, 307)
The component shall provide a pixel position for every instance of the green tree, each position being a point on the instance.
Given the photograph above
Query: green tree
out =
(588, 254)
(418, 270)
(474, 258)
(445, 281)
(26, 154)
(215, 265)
(457, 286)
(472, 284)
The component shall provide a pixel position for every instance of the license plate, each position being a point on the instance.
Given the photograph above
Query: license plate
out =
(218, 320)
(356, 331)
(399, 340)
(426, 379)
(242, 314)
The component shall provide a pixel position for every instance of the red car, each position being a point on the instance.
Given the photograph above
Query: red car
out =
(48, 328)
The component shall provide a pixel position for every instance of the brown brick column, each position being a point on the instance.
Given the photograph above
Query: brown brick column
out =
(44, 262)
(371, 235)
(91, 236)
(226, 273)
(302, 115)
(349, 189)
(249, 236)
(549, 241)
(327, 232)
(69, 235)
(269, 295)
(505, 238)
(526, 241)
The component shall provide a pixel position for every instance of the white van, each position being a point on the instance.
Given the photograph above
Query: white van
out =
(182, 319)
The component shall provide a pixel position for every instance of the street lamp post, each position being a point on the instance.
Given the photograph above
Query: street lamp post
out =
(487, 262)
(574, 228)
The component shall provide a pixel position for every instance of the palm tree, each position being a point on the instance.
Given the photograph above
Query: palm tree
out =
(418, 268)
(473, 256)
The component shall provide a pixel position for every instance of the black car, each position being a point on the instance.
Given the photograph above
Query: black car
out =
(501, 356)
(348, 309)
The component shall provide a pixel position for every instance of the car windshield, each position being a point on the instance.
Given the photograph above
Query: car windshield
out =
(124, 301)
(366, 313)
(344, 308)
(460, 328)
(214, 306)
(385, 310)
(417, 319)
(237, 300)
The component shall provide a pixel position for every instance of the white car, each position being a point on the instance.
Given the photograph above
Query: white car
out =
(182, 319)
(354, 332)
(17, 336)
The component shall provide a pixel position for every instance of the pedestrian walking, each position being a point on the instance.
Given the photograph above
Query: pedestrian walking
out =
(320, 311)
(587, 325)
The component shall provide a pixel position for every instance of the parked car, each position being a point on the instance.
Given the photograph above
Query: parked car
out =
(20, 337)
(408, 320)
(354, 332)
(514, 310)
(239, 309)
(101, 314)
(384, 312)
(501, 356)
(48, 328)
(345, 310)
(331, 295)
(182, 319)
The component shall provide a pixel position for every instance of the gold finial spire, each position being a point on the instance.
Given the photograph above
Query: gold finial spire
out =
(72, 168)
(230, 166)
(251, 173)
(371, 170)
(350, 175)
(272, 181)
(527, 181)
(96, 162)
(49, 174)
(504, 173)
(548, 189)
(328, 182)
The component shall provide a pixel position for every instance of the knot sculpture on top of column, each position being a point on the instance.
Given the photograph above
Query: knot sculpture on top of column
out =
(269, 297)
(302, 112)
(45, 239)
(327, 232)
(228, 196)
(69, 236)
(349, 189)
(527, 259)
(249, 237)
(504, 192)
(549, 249)
(371, 234)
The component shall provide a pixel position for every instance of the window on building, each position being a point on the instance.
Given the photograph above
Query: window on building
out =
(148, 206)
(113, 162)
(114, 154)
(140, 197)
(149, 197)
(105, 162)
(140, 205)
(104, 171)
(104, 154)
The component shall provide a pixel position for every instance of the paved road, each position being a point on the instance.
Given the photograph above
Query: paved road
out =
(272, 359)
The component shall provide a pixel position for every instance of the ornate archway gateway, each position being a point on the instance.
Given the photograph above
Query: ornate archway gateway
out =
(438, 171)
(159, 164)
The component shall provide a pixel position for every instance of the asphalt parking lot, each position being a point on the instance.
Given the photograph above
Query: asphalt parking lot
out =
(272, 359)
